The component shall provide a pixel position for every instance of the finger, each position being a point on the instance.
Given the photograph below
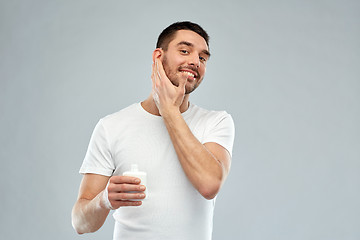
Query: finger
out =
(162, 75)
(183, 82)
(158, 67)
(123, 187)
(113, 196)
(161, 71)
(154, 84)
(153, 77)
(156, 76)
(155, 96)
(117, 204)
(124, 179)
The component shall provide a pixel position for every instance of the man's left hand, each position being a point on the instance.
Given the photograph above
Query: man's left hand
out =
(167, 96)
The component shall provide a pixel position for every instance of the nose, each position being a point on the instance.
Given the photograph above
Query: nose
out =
(194, 60)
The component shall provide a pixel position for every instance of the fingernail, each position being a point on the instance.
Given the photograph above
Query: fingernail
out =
(137, 180)
(142, 188)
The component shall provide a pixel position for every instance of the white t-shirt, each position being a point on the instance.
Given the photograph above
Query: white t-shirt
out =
(174, 209)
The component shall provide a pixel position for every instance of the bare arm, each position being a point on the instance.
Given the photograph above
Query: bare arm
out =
(90, 204)
(206, 165)
(90, 210)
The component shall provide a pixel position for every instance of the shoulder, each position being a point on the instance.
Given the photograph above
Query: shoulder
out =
(121, 115)
(209, 115)
(213, 126)
(201, 119)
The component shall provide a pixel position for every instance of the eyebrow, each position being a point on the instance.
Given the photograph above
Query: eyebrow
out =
(189, 44)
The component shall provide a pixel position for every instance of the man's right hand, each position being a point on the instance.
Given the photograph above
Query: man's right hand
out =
(92, 207)
(125, 191)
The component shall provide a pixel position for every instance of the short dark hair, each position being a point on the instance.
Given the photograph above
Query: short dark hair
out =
(168, 33)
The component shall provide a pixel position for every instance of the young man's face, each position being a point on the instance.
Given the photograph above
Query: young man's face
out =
(186, 57)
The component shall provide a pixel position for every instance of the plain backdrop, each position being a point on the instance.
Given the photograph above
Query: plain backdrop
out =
(287, 71)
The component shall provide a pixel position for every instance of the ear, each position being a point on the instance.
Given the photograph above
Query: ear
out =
(158, 53)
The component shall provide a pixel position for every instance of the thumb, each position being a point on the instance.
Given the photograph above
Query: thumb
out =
(182, 83)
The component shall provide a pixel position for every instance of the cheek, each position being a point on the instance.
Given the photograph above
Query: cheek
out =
(202, 70)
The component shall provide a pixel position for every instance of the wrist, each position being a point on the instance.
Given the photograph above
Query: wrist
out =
(170, 112)
(104, 199)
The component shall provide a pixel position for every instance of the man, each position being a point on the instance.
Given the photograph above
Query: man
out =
(185, 150)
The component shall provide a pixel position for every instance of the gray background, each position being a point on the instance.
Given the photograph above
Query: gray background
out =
(287, 71)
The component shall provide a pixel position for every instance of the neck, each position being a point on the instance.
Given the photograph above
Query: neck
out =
(150, 106)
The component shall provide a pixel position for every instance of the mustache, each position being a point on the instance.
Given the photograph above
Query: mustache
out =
(192, 68)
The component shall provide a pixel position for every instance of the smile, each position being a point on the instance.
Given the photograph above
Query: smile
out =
(189, 73)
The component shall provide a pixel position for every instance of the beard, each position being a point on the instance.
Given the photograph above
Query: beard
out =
(175, 78)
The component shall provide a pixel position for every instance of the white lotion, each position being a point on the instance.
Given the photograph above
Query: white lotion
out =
(134, 172)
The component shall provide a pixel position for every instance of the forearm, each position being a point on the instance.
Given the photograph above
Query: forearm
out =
(89, 215)
(202, 168)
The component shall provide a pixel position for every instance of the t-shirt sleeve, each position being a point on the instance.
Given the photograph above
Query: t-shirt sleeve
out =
(221, 130)
(98, 158)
